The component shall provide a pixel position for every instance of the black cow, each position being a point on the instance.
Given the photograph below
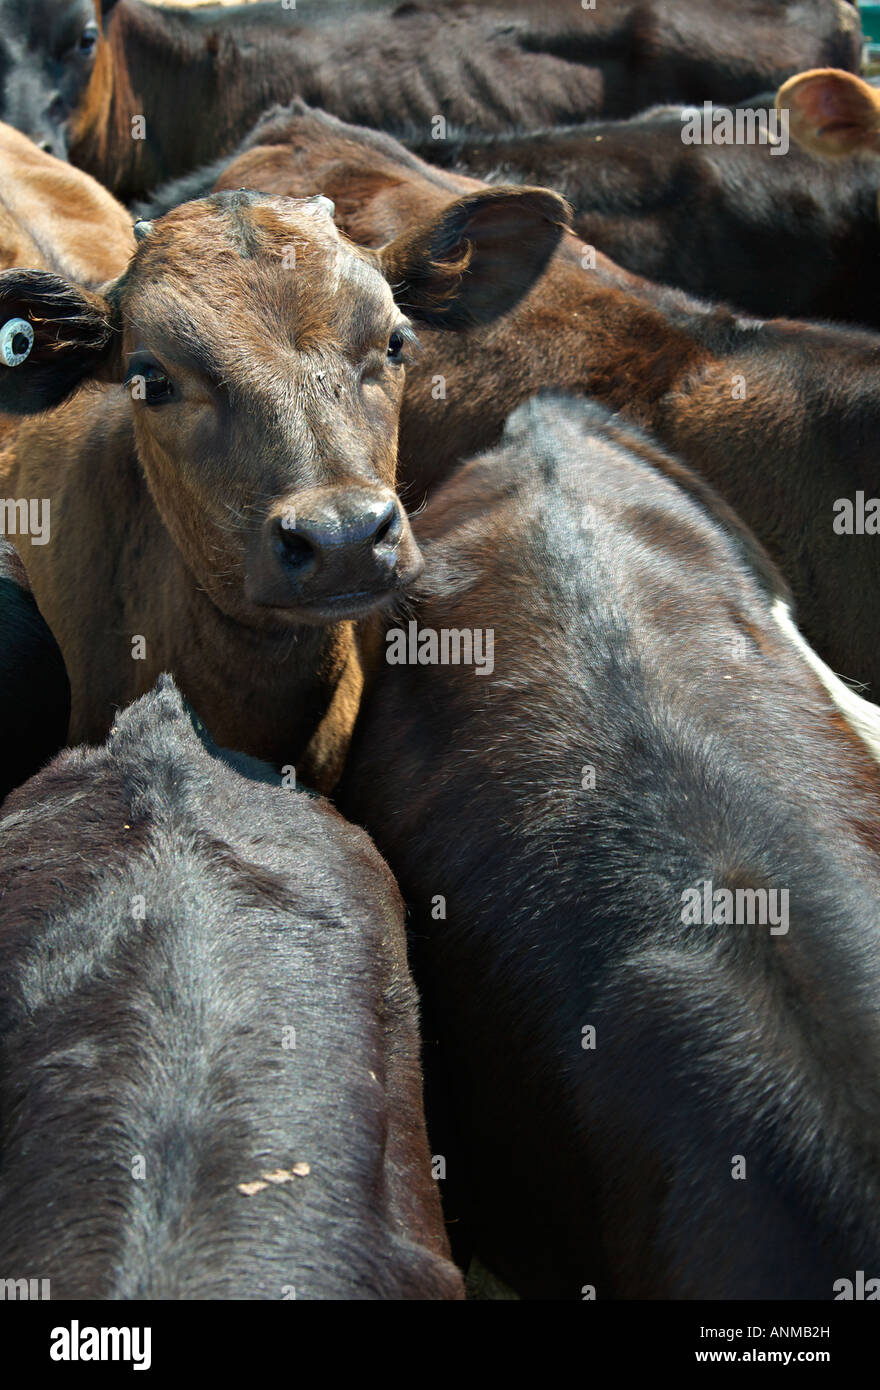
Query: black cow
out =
(772, 229)
(34, 689)
(138, 93)
(637, 1096)
(209, 1075)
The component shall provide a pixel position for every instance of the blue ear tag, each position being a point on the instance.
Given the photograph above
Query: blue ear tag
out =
(16, 342)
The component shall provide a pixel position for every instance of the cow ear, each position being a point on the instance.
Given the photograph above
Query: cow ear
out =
(53, 336)
(831, 112)
(476, 260)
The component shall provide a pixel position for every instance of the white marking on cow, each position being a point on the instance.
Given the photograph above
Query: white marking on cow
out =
(325, 206)
(862, 716)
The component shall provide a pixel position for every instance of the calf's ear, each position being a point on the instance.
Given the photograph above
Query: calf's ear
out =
(477, 259)
(831, 112)
(53, 336)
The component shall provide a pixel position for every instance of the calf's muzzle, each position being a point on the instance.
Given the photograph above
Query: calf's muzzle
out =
(333, 552)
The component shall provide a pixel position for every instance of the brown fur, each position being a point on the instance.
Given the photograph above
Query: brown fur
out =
(488, 66)
(53, 217)
(800, 439)
(162, 516)
(179, 580)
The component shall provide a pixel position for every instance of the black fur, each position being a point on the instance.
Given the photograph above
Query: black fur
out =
(75, 332)
(631, 635)
(34, 689)
(162, 1040)
(775, 235)
(202, 76)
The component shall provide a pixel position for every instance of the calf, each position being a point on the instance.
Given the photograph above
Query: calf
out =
(232, 514)
(770, 228)
(108, 79)
(780, 417)
(34, 689)
(183, 946)
(53, 217)
(592, 717)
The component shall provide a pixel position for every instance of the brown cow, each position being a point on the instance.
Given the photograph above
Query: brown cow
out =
(232, 515)
(56, 218)
(781, 418)
(141, 93)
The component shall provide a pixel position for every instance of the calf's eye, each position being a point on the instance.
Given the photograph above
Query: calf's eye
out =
(88, 41)
(148, 383)
(395, 347)
(159, 389)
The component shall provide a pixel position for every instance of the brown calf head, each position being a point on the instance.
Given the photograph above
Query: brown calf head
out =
(264, 354)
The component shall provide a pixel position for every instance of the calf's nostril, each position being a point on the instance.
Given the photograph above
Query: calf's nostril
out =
(388, 531)
(297, 551)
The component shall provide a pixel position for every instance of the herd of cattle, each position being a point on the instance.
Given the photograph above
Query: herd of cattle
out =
(362, 440)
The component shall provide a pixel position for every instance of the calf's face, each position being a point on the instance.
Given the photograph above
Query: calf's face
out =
(50, 51)
(265, 359)
(264, 355)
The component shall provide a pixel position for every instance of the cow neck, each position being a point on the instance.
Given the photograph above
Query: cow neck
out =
(164, 69)
(261, 691)
(599, 331)
(265, 692)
